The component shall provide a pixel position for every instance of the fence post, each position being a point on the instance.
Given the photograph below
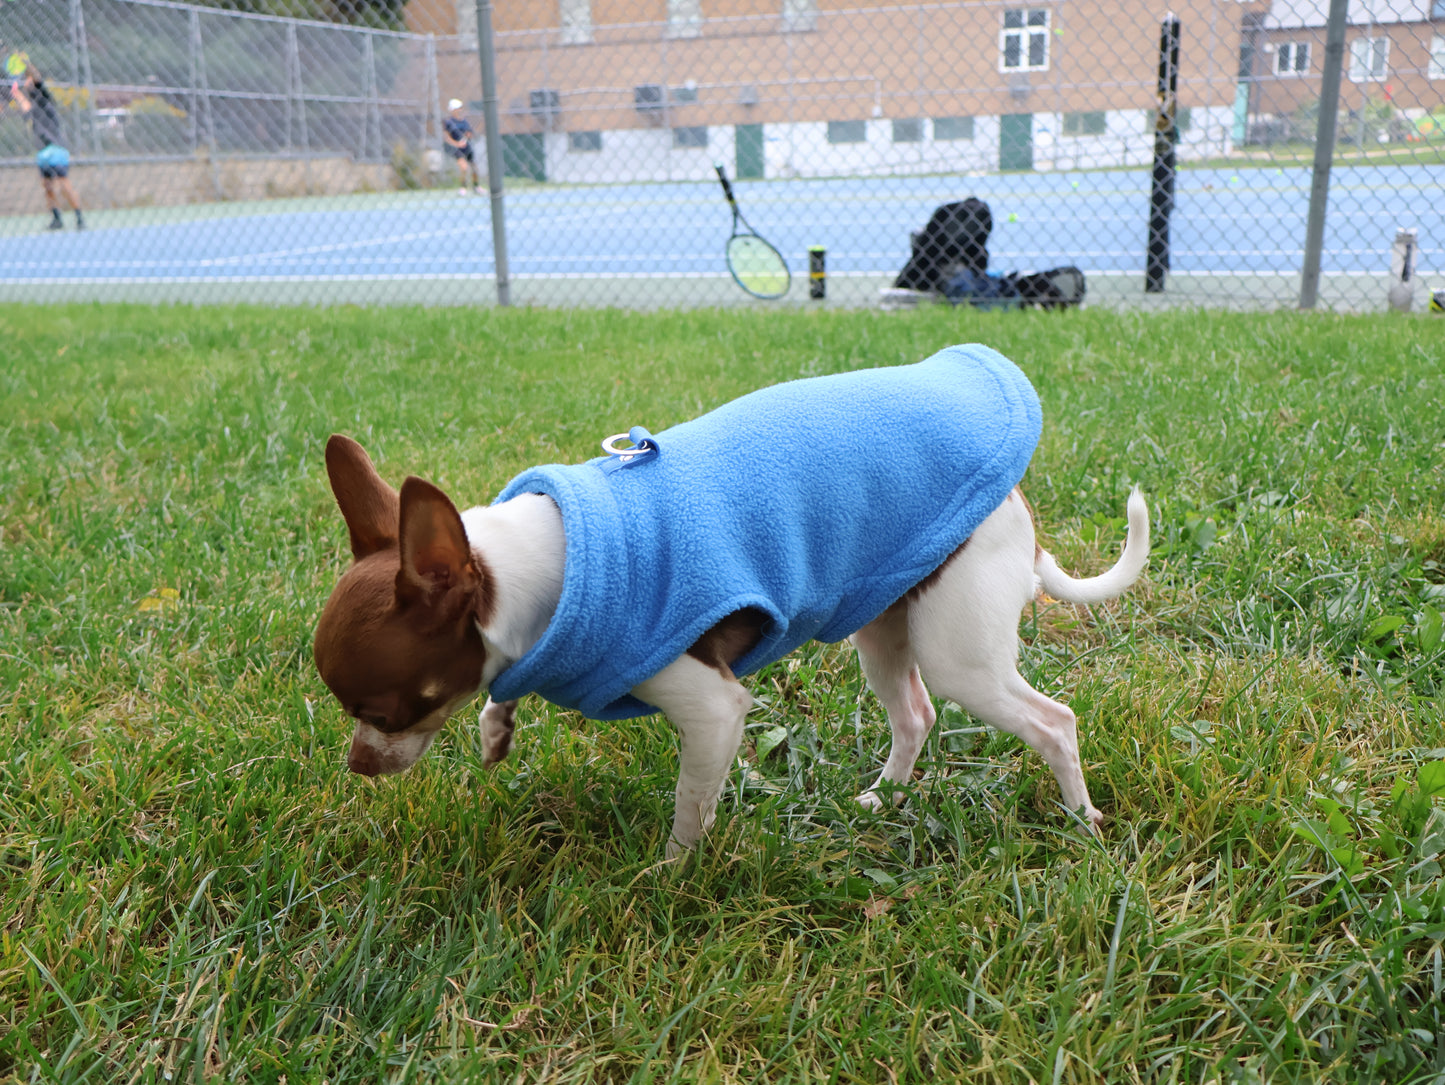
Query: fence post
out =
(80, 63)
(198, 62)
(431, 98)
(1324, 153)
(487, 54)
(368, 53)
(296, 87)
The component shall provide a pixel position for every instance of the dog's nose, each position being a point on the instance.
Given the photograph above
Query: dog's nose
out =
(363, 759)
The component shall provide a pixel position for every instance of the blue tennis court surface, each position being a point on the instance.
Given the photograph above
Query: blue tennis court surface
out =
(1250, 221)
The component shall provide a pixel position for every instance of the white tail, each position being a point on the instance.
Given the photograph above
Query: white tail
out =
(1126, 570)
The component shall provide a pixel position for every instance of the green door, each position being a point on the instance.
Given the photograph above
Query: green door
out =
(1016, 141)
(750, 150)
(524, 155)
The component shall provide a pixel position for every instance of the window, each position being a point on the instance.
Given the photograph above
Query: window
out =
(1437, 9)
(683, 95)
(909, 130)
(576, 21)
(684, 18)
(1024, 40)
(952, 127)
(584, 141)
(847, 131)
(1084, 124)
(1369, 59)
(1292, 58)
(1181, 119)
(1437, 57)
(800, 15)
(695, 136)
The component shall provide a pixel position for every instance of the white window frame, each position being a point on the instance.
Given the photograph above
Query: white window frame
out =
(908, 130)
(1036, 25)
(800, 16)
(1292, 59)
(684, 18)
(690, 141)
(1370, 59)
(575, 18)
(1437, 57)
(1082, 122)
(959, 124)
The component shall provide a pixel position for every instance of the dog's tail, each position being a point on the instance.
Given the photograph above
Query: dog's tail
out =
(1126, 570)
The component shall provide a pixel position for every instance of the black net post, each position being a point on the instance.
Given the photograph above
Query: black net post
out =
(1166, 134)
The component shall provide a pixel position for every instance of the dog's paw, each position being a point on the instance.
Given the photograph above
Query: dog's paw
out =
(497, 723)
(871, 800)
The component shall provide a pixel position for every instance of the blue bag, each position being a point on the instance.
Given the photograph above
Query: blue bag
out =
(982, 289)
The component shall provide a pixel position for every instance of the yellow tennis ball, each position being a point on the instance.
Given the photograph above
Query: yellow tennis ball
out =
(15, 64)
(1012, 217)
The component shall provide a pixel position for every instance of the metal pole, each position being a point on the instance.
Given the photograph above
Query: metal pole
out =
(80, 43)
(1166, 134)
(1324, 152)
(368, 52)
(495, 170)
(193, 128)
(212, 153)
(431, 96)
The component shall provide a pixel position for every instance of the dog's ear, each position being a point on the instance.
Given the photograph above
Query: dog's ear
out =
(435, 557)
(371, 508)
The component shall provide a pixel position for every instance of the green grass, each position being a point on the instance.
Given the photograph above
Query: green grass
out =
(194, 888)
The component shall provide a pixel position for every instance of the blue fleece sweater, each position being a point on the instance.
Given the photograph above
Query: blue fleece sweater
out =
(819, 502)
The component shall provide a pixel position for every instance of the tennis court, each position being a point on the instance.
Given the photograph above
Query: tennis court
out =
(1238, 237)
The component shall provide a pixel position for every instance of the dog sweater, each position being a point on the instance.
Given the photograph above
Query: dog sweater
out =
(819, 502)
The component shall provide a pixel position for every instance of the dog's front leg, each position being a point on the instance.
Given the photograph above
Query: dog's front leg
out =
(707, 706)
(496, 722)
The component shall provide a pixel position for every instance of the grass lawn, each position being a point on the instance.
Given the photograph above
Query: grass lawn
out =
(193, 887)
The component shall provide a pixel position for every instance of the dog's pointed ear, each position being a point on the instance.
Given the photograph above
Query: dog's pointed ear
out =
(435, 556)
(371, 508)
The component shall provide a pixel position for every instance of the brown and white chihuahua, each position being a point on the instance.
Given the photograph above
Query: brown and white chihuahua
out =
(437, 603)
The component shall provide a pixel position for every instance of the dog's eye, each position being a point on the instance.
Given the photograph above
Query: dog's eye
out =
(369, 718)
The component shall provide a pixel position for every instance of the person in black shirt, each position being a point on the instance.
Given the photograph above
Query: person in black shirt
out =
(33, 97)
(457, 131)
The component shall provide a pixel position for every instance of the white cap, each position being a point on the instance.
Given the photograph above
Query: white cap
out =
(455, 103)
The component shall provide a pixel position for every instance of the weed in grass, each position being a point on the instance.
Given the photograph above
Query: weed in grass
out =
(194, 887)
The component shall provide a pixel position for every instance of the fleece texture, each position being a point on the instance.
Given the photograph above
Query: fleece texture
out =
(819, 502)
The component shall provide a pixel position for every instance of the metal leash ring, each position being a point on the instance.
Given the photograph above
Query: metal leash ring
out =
(609, 445)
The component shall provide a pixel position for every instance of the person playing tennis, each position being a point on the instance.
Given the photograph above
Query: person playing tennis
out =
(457, 131)
(34, 98)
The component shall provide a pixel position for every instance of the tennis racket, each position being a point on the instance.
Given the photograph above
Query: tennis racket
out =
(755, 265)
(16, 63)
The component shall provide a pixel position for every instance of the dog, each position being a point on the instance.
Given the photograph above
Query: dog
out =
(879, 505)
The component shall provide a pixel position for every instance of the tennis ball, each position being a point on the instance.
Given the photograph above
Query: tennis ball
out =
(15, 64)
(1012, 217)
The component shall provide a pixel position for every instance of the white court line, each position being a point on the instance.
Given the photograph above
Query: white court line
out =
(472, 276)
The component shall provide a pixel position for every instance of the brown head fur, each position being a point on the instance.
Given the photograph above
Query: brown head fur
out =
(397, 642)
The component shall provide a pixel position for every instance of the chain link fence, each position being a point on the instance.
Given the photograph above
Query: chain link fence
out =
(224, 155)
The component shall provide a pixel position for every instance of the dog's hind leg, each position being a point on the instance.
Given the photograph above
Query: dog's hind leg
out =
(964, 632)
(707, 706)
(886, 655)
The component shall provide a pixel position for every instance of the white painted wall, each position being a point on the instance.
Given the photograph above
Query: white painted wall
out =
(803, 150)
(1287, 14)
